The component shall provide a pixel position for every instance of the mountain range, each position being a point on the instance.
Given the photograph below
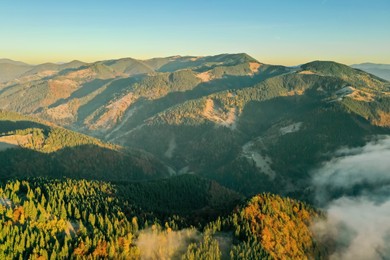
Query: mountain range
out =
(226, 117)
(216, 126)
(380, 70)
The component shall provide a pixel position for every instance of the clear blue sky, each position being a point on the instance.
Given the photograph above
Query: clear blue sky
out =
(273, 31)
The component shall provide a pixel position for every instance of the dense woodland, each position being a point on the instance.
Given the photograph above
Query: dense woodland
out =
(62, 218)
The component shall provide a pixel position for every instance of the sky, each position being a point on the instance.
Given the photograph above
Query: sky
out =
(283, 32)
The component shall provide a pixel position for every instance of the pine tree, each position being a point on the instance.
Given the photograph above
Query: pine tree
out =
(63, 214)
(69, 209)
(77, 213)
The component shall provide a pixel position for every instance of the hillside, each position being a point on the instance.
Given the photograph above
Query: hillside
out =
(30, 147)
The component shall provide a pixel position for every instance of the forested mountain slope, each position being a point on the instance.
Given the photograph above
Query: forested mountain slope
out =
(250, 126)
(31, 147)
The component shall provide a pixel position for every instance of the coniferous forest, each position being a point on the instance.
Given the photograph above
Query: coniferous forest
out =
(67, 218)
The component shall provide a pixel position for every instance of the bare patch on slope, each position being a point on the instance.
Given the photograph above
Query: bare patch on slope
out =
(59, 89)
(13, 141)
(114, 112)
(205, 76)
(293, 92)
(306, 72)
(82, 74)
(254, 67)
(290, 128)
(355, 94)
(195, 58)
(384, 119)
(217, 115)
(64, 113)
(128, 114)
(362, 96)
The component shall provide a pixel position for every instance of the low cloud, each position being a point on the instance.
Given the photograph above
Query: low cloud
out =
(354, 189)
(167, 244)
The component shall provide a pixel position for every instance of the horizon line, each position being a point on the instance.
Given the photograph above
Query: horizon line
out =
(91, 61)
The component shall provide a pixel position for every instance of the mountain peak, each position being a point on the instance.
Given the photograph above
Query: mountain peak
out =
(328, 68)
(236, 57)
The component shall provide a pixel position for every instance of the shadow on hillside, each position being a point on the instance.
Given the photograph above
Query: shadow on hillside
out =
(186, 195)
(84, 161)
(258, 116)
(8, 126)
(85, 90)
(7, 88)
(5, 146)
(68, 70)
(114, 88)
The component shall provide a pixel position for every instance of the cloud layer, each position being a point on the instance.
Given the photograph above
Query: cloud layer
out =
(354, 188)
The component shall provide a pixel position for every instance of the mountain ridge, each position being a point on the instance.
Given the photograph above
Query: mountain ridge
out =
(380, 70)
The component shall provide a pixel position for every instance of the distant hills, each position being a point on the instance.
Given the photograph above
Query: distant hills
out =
(380, 70)
(10, 69)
